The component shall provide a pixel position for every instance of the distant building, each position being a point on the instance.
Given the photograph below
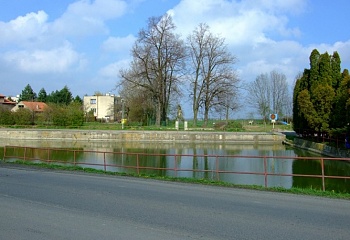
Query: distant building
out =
(103, 106)
(5, 103)
(37, 107)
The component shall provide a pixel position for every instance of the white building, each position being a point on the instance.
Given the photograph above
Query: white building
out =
(103, 106)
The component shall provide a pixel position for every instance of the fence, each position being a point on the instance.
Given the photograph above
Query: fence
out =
(134, 161)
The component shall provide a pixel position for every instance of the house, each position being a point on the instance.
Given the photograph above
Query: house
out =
(5, 103)
(103, 106)
(37, 107)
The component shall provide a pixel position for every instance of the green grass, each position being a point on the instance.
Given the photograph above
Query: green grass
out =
(300, 191)
(233, 126)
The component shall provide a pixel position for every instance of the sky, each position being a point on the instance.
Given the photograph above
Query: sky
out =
(82, 44)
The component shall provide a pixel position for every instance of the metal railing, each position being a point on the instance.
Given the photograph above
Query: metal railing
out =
(72, 157)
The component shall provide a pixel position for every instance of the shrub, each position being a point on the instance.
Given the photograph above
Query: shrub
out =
(23, 117)
(6, 117)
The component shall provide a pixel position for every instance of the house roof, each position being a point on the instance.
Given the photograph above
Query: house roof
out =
(34, 106)
(6, 101)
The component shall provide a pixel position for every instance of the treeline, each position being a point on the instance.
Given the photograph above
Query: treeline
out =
(63, 96)
(62, 109)
(321, 98)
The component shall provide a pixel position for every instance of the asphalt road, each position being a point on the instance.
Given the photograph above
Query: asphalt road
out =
(44, 204)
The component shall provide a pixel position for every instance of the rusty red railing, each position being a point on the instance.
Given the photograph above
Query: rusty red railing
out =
(132, 161)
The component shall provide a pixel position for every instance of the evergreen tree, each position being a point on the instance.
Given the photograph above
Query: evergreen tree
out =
(64, 96)
(78, 99)
(27, 94)
(336, 70)
(42, 96)
(341, 113)
(321, 94)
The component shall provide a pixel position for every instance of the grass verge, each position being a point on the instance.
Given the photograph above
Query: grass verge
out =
(300, 191)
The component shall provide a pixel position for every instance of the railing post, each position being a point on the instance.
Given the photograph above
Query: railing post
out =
(265, 171)
(137, 164)
(4, 153)
(175, 166)
(74, 152)
(104, 160)
(323, 178)
(25, 151)
(217, 169)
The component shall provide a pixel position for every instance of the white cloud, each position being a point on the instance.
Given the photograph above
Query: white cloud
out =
(121, 45)
(88, 18)
(112, 70)
(239, 22)
(24, 28)
(43, 61)
(257, 32)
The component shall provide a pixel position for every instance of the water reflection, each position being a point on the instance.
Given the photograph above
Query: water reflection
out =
(196, 161)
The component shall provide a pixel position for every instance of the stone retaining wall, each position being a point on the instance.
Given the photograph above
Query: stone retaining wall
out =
(180, 136)
(321, 148)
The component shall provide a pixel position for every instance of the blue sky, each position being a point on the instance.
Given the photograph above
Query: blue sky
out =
(83, 44)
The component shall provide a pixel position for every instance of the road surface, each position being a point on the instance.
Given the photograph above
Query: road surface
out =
(45, 204)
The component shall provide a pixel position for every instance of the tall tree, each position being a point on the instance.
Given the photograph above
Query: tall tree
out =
(64, 96)
(42, 96)
(279, 92)
(316, 93)
(27, 94)
(341, 108)
(158, 60)
(212, 77)
(260, 95)
(269, 94)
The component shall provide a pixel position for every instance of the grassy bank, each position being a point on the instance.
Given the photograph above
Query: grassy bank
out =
(213, 125)
(310, 191)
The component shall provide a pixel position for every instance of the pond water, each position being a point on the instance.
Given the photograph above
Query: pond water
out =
(200, 157)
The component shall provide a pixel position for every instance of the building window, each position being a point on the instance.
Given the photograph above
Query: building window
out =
(92, 101)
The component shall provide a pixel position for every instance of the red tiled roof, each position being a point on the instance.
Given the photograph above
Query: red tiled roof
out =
(6, 101)
(35, 106)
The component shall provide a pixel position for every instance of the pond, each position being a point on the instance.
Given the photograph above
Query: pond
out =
(198, 160)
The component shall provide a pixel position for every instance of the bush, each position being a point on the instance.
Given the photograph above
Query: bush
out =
(23, 117)
(6, 117)
(63, 115)
(234, 126)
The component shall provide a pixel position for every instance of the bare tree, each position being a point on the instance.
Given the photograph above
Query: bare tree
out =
(212, 77)
(138, 102)
(158, 60)
(269, 94)
(228, 104)
(279, 88)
